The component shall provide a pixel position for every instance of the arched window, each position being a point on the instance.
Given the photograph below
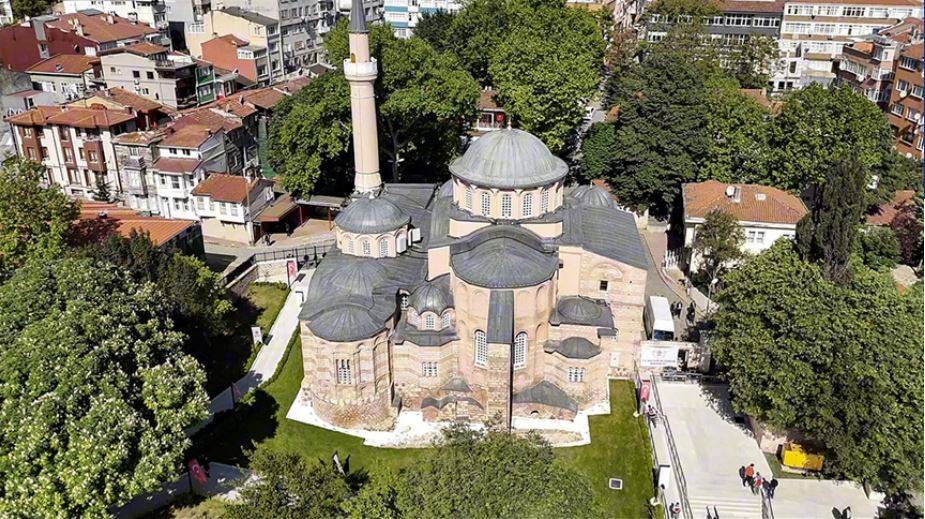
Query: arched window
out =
(528, 204)
(469, 197)
(520, 350)
(343, 371)
(505, 206)
(428, 321)
(447, 320)
(383, 248)
(486, 204)
(367, 248)
(404, 302)
(481, 349)
(544, 201)
(349, 245)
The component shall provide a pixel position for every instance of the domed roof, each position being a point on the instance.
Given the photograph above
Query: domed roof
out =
(579, 309)
(430, 297)
(503, 257)
(347, 322)
(509, 159)
(371, 215)
(356, 278)
(575, 348)
(593, 196)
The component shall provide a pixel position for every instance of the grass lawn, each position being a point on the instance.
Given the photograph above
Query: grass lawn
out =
(259, 307)
(189, 507)
(620, 446)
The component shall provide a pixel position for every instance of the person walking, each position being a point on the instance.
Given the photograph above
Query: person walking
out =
(749, 475)
(653, 416)
(772, 486)
(756, 487)
(846, 513)
(742, 474)
(675, 510)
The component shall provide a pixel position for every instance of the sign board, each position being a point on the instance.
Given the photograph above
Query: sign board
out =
(292, 270)
(664, 354)
(257, 334)
(664, 476)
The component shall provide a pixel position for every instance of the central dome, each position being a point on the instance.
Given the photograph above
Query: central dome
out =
(509, 159)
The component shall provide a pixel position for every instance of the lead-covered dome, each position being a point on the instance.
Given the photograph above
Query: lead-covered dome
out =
(509, 159)
(593, 196)
(430, 297)
(371, 215)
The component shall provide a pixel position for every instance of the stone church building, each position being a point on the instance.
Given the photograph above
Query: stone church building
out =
(501, 293)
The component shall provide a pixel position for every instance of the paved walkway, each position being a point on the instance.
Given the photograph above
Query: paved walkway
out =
(712, 447)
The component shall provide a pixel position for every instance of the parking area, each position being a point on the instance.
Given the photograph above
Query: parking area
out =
(712, 447)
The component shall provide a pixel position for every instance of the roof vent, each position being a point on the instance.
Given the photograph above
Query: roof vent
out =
(734, 193)
(761, 197)
(102, 215)
(58, 67)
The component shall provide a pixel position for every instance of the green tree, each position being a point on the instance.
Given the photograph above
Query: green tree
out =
(737, 128)
(23, 8)
(291, 487)
(827, 234)
(718, 242)
(819, 126)
(598, 149)
(96, 390)
(476, 33)
(436, 28)
(878, 248)
(750, 62)
(840, 363)
(547, 69)
(34, 220)
(907, 224)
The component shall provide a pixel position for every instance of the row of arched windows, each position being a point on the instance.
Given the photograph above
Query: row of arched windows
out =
(520, 349)
(526, 201)
(366, 246)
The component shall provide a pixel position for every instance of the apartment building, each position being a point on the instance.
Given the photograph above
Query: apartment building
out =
(403, 15)
(814, 32)
(233, 53)
(74, 144)
(154, 72)
(66, 76)
(227, 205)
(151, 12)
(254, 28)
(89, 32)
(868, 66)
(147, 113)
(905, 105)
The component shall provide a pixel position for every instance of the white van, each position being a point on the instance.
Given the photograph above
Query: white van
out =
(658, 320)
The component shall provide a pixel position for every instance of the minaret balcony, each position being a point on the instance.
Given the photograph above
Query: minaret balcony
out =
(363, 71)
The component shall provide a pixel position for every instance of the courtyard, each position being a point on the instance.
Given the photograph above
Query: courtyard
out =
(619, 448)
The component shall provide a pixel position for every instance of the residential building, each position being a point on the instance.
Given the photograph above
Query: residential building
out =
(905, 106)
(403, 15)
(183, 13)
(90, 32)
(254, 28)
(227, 205)
(66, 76)
(765, 214)
(238, 121)
(154, 72)
(185, 157)
(19, 102)
(868, 66)
(228, 82)
(883, 214)
(501, 294)
(147, 113)
(150, 12)
(738, 21)
(205, 82)
(99, 220)
(74, 144)
(813, 34)
(490, 116)
(232, 53)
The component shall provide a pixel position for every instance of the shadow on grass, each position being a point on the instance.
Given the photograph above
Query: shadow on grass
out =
(226, 357)
(234, 434)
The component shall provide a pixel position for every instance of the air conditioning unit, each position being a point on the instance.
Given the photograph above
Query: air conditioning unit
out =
(401, 245)
(415, 235)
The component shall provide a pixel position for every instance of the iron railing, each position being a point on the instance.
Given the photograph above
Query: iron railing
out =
(673, 454)
(306, 254)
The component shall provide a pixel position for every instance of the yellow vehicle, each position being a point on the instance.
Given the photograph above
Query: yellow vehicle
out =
(796, 456)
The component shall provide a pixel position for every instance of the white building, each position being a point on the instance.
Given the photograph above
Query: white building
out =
(765, 214)
(228, 204)
(151, 12)
(813, 33)
(404, 15)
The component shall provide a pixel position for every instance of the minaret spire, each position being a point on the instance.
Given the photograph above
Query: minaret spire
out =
(360, 70)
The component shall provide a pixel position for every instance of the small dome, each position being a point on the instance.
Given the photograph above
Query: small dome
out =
(429, 297)
(503, 257)
(509, 159)
(345, 323)
(593, 196)
(356, 278)
(371, 215)
(446, 189)
(576, 348)
(579, 309)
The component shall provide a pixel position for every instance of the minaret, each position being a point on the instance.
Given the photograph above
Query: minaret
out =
(360, 70)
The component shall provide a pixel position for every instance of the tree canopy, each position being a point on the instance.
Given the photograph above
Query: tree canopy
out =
(878, 248)
(840, 363)
(34, 220)
(96, 390)
(718, 242)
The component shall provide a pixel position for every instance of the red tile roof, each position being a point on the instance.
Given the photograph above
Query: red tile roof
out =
(205, 116)
(913, 51)
(100, 220)
(265, 98)
(143, 48)
(884, 213)
(125, 98)
(98, 28)
(73, 116)
(488, 100)
(186, 135)
(172, 165)
(756, 203)
(74, 64)
(146, 137)
(232, 39)
(226, 188)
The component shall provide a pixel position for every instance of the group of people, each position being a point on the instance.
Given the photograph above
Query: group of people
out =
(755, 482)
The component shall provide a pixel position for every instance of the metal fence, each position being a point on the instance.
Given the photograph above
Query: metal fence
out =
(673, 454)
(303, 255)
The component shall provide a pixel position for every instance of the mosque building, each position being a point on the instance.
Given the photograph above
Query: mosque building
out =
(502, 293)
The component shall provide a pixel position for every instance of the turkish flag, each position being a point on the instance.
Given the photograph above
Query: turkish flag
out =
(196, 471)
